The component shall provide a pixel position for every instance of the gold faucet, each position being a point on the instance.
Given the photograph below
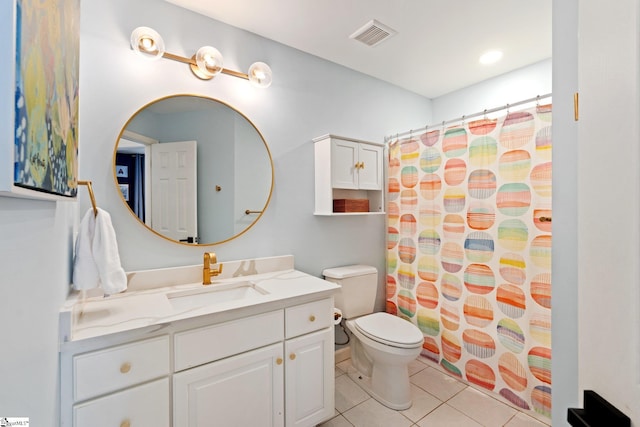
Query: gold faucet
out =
(207, 271)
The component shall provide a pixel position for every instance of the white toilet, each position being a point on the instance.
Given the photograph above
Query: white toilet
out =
(382, 345)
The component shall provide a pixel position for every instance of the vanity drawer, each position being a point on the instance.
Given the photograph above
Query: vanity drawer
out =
(114, 368)
(142, 406)
(203, 345)
(309, 317)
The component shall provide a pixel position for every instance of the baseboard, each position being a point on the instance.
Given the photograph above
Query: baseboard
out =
(342, 354)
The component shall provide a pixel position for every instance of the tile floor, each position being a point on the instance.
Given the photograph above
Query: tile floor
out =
(438, 401)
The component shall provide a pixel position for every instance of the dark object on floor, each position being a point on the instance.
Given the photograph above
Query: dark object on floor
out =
(597, 412)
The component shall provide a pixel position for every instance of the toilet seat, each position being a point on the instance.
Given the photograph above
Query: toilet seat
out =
(389, 330)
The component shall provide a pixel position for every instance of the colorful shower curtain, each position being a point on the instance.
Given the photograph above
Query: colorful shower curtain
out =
(469, 250)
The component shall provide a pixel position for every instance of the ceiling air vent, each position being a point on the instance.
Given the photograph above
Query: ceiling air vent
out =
(373, 33)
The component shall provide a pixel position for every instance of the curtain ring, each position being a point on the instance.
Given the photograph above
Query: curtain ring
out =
(463, 117)
(537, 100)
(508, 109)
(485, 114)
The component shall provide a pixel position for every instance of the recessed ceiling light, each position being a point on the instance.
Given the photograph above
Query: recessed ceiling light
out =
(490, 57)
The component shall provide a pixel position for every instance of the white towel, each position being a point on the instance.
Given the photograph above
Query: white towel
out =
(97, 262)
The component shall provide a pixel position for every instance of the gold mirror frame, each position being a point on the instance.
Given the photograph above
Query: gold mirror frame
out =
(221, 103)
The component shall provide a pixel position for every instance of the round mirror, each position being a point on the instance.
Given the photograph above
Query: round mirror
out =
(193, 169)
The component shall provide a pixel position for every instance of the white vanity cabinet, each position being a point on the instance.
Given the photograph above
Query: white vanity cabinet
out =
(348, 168)
(243, 390)
(253, 371)
(309, 363)
(269, 364)
(230, 384)
(124, 385)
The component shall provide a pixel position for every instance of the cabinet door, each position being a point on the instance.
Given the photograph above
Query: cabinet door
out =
(244, 390)
(370, 171)
(344, 156)
(309, 381)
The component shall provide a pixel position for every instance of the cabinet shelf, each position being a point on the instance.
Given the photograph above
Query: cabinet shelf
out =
(347, 168)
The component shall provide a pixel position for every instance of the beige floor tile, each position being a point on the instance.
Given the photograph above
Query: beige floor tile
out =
(416, 366)
(523, 420)
(484, 409)
(344, 365)
(339, 371)
(348, 394)
(446, 416)
(438, 384)
(371, 413)
(338, 421)
(423, 403)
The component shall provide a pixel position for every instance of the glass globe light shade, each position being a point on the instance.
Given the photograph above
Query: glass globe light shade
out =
(209, 61)
(260, 74)
(147, 42)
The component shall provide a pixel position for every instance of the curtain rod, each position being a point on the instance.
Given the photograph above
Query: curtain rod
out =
(462, 118)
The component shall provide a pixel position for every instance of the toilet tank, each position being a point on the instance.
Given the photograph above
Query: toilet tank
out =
(359, 285)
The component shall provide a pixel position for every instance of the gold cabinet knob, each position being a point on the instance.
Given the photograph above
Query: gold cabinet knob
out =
(361, 165)
(125, 367)
(312, 318)
(292, 356)
(279, 361)
(125, 423)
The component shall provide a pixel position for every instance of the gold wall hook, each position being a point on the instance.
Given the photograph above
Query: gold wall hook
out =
(89, 186)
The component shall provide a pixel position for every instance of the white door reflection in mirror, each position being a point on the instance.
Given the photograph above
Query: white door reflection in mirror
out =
(174, 206)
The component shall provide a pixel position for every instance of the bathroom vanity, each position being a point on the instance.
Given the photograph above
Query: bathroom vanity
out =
(255, 348)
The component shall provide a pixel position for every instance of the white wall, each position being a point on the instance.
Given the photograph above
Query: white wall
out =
(608, 203)
(524, 83)
(309, 97)
(35, 265)
(564, 292)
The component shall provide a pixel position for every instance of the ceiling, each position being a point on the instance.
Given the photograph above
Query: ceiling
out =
(436, 48)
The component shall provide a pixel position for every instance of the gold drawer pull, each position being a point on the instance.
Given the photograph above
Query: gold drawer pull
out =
(124, 368)
(279, 361)
(125, 423)
(312, 318)
(292, 356)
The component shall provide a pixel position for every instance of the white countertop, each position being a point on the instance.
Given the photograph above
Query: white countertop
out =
(144, 305)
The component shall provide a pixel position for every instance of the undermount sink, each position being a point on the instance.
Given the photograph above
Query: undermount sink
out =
(214, 294)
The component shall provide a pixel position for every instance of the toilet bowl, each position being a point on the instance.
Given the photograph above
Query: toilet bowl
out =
(382, 346)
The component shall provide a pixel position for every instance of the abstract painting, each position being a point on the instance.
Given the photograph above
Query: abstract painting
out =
(46, 95)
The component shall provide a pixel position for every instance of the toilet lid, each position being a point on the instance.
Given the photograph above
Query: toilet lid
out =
(389, 329)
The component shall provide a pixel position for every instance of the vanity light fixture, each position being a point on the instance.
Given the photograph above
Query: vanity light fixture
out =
(205, 64)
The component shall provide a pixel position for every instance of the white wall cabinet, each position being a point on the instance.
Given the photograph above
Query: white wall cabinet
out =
(271, 369)
(348, 168)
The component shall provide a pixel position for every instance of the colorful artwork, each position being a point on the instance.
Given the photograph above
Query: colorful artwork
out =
(46, 95)
(474, 258)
